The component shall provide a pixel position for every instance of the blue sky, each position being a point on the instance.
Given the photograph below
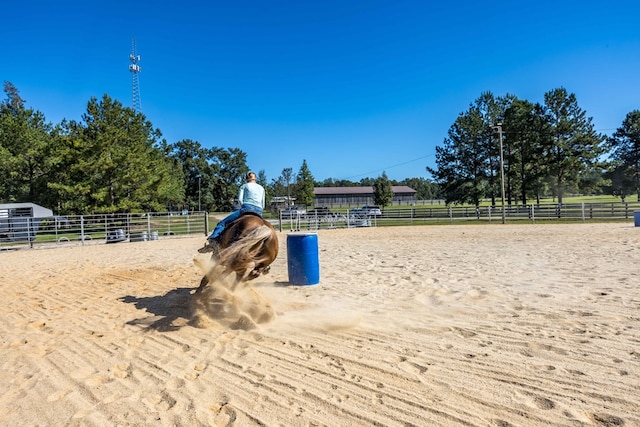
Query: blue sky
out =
(355, 88)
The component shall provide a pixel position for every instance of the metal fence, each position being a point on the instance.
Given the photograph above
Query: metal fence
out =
(436, 214)
(55, 231)
(92, 229)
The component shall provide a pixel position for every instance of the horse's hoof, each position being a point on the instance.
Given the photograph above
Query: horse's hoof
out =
(245, 323)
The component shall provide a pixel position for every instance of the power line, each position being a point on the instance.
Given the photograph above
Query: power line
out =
(389, 167)
(366, 174)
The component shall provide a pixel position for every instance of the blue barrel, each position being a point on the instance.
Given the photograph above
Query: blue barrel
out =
(636, 218)
(302, 258)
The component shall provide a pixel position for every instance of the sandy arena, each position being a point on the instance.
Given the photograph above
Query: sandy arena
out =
(495, 325)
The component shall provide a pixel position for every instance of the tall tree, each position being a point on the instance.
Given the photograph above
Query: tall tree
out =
(198, 174)
(575, 144)
(462, 160)
(468, 162)
(305, 185)
(212, 176)
(170, 190)
(491, 112)
(526, 130)
(26, 141)
(262, 180)
(115, 164)
(287, 175)
(625, 143)
(621, 179)
(229, 166)
(382, 191)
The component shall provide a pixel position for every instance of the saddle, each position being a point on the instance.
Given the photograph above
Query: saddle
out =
(214, 245)
(248, 213)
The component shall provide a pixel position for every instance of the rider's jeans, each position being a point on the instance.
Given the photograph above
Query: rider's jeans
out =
(233, 216)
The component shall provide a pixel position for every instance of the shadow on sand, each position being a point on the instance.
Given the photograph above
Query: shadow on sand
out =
(169, 312)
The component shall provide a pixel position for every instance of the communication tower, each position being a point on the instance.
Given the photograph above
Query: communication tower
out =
(135, 83)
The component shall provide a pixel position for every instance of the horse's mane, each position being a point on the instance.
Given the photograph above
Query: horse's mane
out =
(243, 250)
(250, 244)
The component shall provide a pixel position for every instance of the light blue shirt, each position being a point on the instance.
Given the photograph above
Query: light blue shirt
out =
(251, 193)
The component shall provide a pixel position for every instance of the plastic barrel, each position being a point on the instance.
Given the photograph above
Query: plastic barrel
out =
(140, 236)
(302, 258)
(636, 218)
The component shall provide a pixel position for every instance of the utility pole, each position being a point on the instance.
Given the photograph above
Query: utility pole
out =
(498, 128)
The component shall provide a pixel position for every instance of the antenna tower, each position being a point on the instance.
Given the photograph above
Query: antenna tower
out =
(135, 83)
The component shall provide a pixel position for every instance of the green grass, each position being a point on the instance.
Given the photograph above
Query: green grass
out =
(566, 200)
(543, 201)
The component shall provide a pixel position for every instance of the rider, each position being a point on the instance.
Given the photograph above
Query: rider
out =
(251, 197)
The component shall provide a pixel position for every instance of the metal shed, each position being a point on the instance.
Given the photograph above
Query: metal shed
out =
(20, 221)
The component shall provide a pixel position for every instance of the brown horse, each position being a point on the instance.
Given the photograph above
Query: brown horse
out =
(248, 246)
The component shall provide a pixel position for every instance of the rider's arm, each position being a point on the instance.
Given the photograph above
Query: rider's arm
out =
(241, 194)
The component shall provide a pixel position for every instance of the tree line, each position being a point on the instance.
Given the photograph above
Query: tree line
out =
(115, 160)
(533, 150)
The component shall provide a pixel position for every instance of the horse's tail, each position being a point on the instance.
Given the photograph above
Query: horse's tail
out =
(237, 256)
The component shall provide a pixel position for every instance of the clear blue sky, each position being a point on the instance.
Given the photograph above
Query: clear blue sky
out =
(354, 87)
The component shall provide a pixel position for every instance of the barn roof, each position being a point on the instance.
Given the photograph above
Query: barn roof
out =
(330, 191)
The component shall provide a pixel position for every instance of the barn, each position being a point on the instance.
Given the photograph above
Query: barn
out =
(359, 196)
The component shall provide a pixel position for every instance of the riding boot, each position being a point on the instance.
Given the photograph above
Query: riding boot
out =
(211, 245)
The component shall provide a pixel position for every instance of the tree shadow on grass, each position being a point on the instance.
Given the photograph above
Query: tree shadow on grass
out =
(168, 312)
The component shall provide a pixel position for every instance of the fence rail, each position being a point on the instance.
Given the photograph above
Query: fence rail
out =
(460, 214)
(20, 232)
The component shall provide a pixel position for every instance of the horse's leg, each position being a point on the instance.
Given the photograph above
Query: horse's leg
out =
(215, 257)
(239, 278)
(203, 283)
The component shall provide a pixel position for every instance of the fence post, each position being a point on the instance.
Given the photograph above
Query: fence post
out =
(532, 209)
(82, 229)
(450, 214)
(583, 218)
(29, 231)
